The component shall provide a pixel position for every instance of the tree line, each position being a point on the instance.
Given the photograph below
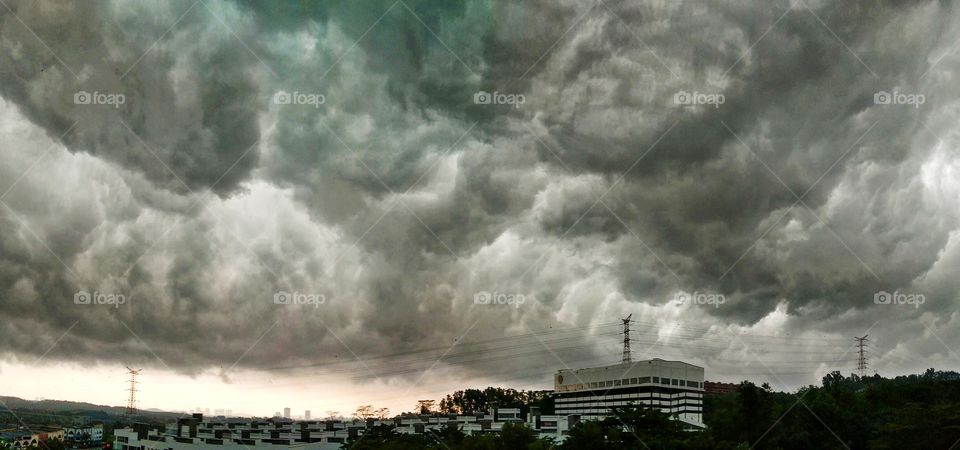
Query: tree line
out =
(846, 412)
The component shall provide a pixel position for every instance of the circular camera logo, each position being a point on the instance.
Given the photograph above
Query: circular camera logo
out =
(482, 98)
(82, 98)
(282, 98)
(882, 298)
(482, 298)
(82, 298)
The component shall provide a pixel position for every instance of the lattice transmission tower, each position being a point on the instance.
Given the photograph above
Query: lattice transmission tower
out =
(626, 339)
(862, 363)
(132, 400)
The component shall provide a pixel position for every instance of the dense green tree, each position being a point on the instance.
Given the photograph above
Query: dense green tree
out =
(515, 436)
(384, 437)
(476, 401)
(846, 412)
(588, 435)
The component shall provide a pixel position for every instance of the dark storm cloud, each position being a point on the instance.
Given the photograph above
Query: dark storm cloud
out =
(500, 198)
(194, 107)
(799, 100)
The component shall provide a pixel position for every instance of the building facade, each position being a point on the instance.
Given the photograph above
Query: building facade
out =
(32, 437)
(78, 434)
(18, 439)
(674, 387)
(196, 434)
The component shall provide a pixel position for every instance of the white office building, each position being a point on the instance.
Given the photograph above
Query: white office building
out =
(673, 386)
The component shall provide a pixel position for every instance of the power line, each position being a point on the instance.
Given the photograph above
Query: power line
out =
(524, 346)
(793, 345)
(388, 364)
(530, 351)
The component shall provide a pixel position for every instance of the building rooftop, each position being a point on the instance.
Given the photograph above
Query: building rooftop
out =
(626, 365)
(15, 434)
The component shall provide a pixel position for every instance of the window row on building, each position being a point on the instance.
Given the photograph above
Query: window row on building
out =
(625, 402)
(667, 404)
(630, 395)
(604, 411)
(566, 409)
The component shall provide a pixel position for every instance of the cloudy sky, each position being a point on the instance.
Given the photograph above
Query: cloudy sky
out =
(305, 204)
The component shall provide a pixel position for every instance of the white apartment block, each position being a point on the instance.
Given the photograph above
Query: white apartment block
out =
(196, 434)
(554, 426)
(673, 386)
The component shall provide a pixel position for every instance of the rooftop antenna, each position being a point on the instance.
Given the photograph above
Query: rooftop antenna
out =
(132, 401)
(626, 339)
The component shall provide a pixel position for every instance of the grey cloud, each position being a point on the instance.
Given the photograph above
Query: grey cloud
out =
(193, 102)
(489, 208)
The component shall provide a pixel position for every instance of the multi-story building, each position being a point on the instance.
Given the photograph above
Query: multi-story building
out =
(31, 437)
(18, 438)
(92, 434)
(673, 386)
(554, 426)
(196, 434)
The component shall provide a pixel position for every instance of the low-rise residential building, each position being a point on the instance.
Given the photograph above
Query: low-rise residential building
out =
(194, 433)
(18, 439)
(45, 434)
(92, 434)
(34, 436)
(553, 426)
